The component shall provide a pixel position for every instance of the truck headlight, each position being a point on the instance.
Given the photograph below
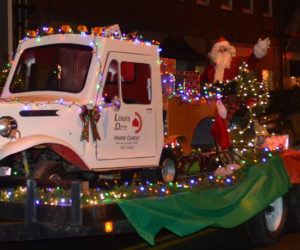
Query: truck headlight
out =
(7, 125)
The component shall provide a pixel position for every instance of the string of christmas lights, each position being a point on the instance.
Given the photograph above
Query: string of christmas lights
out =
(249, 93)
(62, 197)
(59, 196)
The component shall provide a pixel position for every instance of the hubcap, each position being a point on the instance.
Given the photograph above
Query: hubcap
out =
(273, 214)
(54, 177)
(168, 170)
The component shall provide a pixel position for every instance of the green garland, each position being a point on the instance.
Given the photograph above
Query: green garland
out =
(204, 181)
(59, 196)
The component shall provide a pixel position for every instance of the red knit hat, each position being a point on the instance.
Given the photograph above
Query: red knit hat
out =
(222, 42)
(221, 39)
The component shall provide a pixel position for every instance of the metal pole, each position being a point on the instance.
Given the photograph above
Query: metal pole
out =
(30, 208)
(76, 217)
(9, 30)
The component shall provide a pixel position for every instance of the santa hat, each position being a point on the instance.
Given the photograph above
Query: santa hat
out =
(221, 42)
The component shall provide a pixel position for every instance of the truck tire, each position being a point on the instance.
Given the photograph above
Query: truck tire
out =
(49, 170)
(265, 228)
(293, 215)
(167, 171)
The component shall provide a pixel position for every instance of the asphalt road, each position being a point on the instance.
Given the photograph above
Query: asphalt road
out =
(209, 239)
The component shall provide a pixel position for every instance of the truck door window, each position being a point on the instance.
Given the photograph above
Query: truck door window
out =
(111, 83)
(136, 83)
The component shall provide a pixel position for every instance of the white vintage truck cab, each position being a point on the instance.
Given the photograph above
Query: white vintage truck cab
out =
(93, 101)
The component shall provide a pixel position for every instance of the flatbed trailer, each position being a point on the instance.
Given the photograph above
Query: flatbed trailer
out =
(114, 87)
(250, 201)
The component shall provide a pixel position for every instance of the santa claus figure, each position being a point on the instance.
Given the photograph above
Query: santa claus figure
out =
(225, 64)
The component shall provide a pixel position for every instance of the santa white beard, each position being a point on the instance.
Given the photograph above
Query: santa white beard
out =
(222, 61)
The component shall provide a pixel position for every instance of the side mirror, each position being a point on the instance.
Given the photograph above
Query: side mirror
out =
(116, 103)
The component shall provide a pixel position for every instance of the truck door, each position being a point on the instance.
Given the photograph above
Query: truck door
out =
(128, 127)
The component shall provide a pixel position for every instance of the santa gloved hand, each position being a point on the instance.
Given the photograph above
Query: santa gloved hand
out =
(221, 109)
(261, 47)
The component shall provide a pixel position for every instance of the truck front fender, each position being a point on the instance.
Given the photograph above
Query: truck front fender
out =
(62, 148)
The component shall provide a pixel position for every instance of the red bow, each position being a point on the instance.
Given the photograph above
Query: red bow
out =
(86, 116)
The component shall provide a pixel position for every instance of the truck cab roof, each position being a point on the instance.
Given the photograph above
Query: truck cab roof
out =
(71, 64)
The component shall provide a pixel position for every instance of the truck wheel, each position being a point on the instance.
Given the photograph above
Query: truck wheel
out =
(293, 215)
(166, 172)
(265, 228)
(49, 170)
(168, 167)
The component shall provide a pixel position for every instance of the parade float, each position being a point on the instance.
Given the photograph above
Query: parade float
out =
(172, 153)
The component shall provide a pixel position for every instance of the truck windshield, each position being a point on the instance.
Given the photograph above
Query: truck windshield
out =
(59, 67)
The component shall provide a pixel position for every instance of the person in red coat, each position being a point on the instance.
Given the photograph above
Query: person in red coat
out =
(225, 66)
(224, 62)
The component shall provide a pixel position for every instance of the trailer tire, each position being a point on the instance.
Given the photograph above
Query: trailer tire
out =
(49, 170)
(265, 228)
(293, 215)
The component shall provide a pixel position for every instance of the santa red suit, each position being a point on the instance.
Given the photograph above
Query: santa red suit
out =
(225, 64)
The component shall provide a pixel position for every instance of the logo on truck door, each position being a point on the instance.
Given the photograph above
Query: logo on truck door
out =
(128, 125)
(137, 122)
(121, 122)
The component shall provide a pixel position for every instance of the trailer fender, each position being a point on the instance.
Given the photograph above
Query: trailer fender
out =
(62, 148)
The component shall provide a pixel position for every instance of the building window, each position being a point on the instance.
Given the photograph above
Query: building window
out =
(226, 4)
(267, 8)
(248, 6)
(202, 2)
(267, 78)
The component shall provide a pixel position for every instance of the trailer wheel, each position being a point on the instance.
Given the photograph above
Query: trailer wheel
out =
(49, 170)
(293, 216)
(168, 167)
(265, 228)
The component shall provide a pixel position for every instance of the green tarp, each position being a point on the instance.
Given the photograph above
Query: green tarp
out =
(188, 212)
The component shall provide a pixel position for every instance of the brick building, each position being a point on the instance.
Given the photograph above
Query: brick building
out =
(186, 28)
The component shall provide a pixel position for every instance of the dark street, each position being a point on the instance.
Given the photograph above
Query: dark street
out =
(209, 239)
